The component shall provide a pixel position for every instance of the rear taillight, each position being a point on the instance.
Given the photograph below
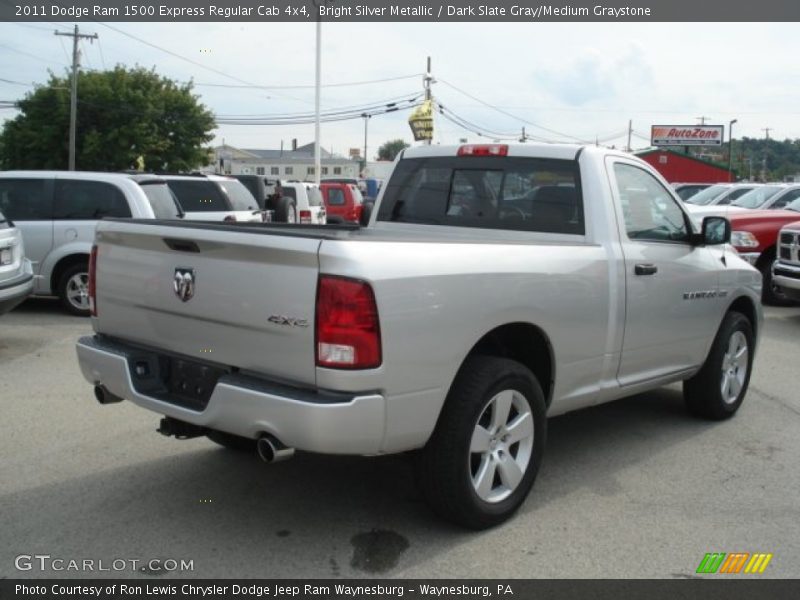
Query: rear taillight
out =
(230, 219)
(305, 217)
(483, 150)
(93, 281)
(348, 330)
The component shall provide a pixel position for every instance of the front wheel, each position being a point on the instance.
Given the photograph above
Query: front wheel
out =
(482, 459)
(718, 389)
(771, 294)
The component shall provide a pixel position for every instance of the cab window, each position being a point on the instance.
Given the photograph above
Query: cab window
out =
(650, 211)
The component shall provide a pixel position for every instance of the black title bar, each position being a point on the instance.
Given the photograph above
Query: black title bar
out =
(523, 11)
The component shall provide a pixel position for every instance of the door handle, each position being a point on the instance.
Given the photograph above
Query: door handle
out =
(645, 269)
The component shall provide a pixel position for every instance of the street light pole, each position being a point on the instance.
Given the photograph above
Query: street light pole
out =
(317, 86)
(730, 149)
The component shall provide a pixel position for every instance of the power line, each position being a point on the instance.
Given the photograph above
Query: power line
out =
(302, 87)
(508, 114)
(28, 54)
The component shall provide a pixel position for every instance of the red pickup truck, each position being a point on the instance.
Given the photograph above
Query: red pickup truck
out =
(342, 201)
(755, 236)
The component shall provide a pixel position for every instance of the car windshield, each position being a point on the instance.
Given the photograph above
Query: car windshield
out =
(4, 224)
(162, 200)
(240, 196)
(707, 195)
(756, 197)
(687, 191)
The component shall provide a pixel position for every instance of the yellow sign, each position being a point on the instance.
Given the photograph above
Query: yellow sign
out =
(421, 121)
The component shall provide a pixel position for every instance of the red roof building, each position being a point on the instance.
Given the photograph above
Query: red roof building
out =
(676, 167)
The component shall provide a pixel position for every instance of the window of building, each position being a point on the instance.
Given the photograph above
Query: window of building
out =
(324, 170)
(289, 171)
(259, 170)
(274, 171)
(310, 170)
(337, 170)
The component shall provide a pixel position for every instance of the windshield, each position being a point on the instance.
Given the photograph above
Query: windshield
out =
(162, 200)
(756, 197)
(240, 196)
(4, 224)
(794, 205)
(708, 195)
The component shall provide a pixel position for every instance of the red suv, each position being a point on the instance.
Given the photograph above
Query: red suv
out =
(342, 201)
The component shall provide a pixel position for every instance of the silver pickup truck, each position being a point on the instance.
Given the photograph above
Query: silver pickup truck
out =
(494, 286)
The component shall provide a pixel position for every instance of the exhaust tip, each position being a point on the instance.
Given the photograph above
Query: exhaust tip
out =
(104, 396)
(270, 449)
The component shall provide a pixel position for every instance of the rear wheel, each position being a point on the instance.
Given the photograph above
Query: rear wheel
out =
(73, 289)
(366, 213)
(718, 389)
(482, 459)
(285, 210)
(232, 442)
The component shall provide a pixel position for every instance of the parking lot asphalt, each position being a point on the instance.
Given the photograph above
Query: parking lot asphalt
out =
(635, 488)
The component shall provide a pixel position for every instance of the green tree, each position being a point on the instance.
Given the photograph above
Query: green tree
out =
(391, 149)
(122, 114)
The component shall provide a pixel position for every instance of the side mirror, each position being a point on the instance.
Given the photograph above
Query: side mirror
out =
(715, 231)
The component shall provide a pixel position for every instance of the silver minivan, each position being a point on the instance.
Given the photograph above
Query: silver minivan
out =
(57, 212)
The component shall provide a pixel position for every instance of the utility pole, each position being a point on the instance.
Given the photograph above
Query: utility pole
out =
(428, 79)
(73, 99)
(524, 137)
(366, 123)
(630, 132)
(766, 131)
(702, 120)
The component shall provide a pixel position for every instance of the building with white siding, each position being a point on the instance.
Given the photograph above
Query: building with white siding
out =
(282, 164)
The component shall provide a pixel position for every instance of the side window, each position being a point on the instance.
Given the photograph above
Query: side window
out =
(734, 195)
(651, 212)
(786, 199)
(88, 200)
(335, 197)
(24, 200)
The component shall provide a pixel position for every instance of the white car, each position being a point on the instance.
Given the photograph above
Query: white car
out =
(16, 274)
(214, 198)
(305, 203)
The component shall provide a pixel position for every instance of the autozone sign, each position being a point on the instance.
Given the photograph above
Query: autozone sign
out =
(686, 135)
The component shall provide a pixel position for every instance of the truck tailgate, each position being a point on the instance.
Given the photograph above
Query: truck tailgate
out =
(250, 306)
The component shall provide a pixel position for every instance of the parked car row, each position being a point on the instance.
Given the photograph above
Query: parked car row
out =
(56, 212)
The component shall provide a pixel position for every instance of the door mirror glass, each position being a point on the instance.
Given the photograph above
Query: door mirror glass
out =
(716, 231)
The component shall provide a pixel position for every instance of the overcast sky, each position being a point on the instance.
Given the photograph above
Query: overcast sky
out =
(576, 80)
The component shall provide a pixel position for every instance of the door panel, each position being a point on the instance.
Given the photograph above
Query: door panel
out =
(672, 287)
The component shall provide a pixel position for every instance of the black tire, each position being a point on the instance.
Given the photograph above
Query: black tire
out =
(232, 442)
(65, 290)
(770, 293)
(446, 466)
(285, 210)
(366, 213)
(703, 393)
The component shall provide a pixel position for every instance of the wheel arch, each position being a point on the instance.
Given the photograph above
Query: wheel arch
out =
(62, 265)
(525, 343)
(746, 306)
